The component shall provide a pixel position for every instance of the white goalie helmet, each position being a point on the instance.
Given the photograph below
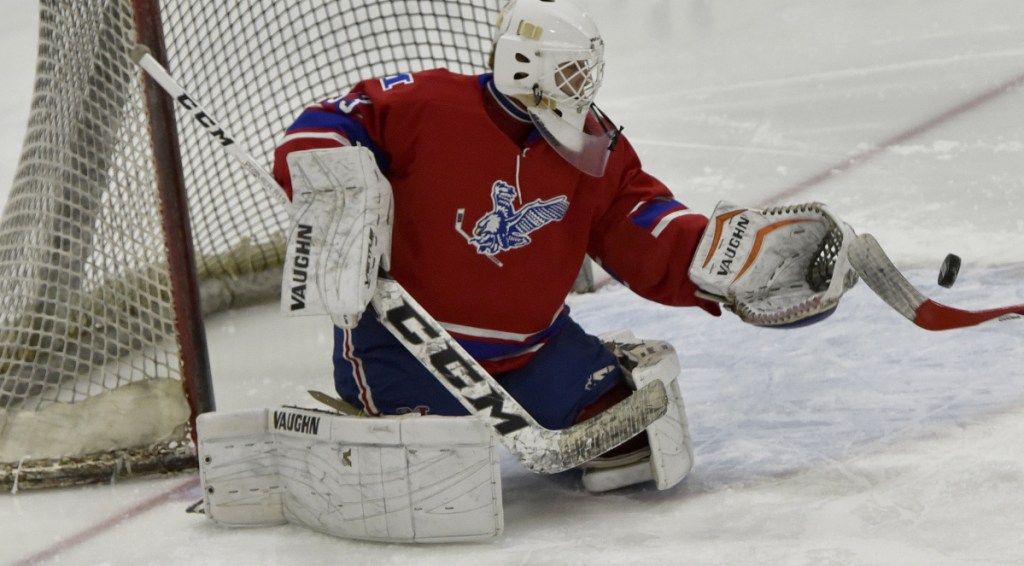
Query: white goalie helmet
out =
(549, 55)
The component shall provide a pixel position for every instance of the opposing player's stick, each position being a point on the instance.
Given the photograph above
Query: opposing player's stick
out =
(878, 271)
(539, 449)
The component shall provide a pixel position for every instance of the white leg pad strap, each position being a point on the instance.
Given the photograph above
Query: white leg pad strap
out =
(669, 436)
(408, 479)
(671, 453)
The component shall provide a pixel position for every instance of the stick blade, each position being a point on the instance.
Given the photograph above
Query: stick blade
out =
(878, 271)
(550, 452)
(936, 316)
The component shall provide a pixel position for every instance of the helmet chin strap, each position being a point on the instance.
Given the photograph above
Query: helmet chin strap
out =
(538, 96)
(613, 133)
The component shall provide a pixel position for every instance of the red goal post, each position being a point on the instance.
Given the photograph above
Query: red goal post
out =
(125, 226)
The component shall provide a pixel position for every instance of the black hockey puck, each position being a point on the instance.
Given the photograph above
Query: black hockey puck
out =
(949, 270)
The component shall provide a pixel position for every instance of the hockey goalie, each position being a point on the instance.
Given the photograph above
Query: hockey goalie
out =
(482, 195)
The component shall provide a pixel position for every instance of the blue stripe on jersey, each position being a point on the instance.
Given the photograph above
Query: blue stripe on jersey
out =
(315, 119)
(482, 349)
(649, 214)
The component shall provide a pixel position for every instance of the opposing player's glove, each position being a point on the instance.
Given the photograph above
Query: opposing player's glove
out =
(782, 266)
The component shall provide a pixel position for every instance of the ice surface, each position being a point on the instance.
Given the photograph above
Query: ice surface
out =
(862, 440)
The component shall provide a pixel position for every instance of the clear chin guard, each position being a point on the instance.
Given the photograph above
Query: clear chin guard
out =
(586, 151)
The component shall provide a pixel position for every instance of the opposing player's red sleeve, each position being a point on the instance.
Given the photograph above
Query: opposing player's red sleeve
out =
(647, 239)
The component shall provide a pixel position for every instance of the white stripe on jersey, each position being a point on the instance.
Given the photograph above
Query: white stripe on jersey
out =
(495, 334)
(484, 333)
(667, 219)
(316, 135)
(523, 352)
(637, 207)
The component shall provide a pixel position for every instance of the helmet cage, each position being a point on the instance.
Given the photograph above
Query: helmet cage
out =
(571, 77)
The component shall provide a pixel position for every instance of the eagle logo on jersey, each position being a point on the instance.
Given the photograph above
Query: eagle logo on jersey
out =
(507, 228)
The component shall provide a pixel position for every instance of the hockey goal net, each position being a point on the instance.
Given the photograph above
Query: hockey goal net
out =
(105, 273)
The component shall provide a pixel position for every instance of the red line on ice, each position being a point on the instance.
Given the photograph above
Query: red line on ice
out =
(862, 157)
(107, 524)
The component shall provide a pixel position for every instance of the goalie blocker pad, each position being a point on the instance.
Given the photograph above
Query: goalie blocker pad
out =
(780, 266)
(340, 235)
(396, 479)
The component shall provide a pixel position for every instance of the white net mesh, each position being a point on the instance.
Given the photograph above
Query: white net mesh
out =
(86, 302)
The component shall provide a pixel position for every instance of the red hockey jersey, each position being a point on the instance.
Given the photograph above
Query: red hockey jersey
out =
(490, 233)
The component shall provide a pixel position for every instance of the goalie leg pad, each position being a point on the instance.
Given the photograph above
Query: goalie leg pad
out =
(669, 457)
(341, 233)
(407, 479)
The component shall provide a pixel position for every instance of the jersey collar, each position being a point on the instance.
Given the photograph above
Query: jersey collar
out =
(510, 108)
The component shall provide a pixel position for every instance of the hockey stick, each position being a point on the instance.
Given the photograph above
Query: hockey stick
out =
(872, 264)
(539, 449)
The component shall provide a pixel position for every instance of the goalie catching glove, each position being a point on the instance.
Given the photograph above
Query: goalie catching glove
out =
(781, 266)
